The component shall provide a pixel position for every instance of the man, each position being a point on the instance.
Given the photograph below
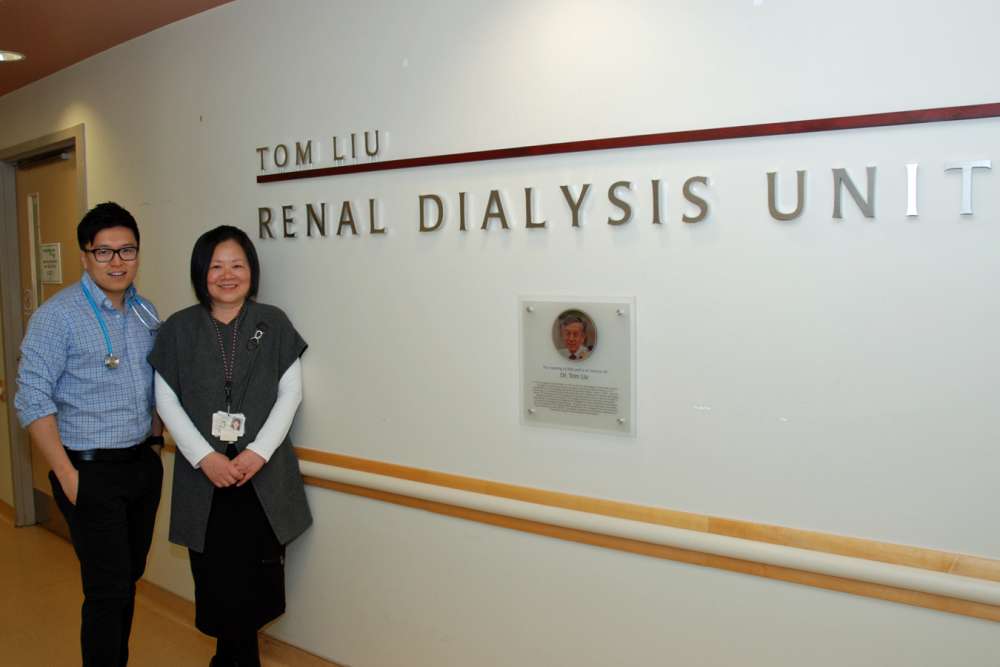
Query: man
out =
(85, 394)
(573, 330)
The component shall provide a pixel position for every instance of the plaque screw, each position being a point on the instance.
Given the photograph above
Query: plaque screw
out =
(531, 411)
(530, 309)
(621, 420)
(620, 312)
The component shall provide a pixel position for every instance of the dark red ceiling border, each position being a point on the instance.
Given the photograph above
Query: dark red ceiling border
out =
(686, 136)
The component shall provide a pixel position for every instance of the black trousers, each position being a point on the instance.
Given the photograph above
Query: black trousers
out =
(236, 652)
(112, 528)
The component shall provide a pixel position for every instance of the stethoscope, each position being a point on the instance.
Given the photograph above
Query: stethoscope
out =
(133, 301)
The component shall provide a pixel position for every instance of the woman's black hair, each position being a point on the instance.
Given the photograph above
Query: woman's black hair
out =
(201, 259)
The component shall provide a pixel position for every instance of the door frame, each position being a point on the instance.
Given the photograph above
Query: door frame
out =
(10, 290)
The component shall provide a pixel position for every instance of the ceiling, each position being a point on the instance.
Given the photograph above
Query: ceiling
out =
(55, 34)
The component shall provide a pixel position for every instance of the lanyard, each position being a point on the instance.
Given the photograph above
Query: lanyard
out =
(111, 361)
(228, 363)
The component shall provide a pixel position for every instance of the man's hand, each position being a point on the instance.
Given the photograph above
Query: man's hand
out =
(220, 470)
(70, 483)
(45, 434)
(248, 463)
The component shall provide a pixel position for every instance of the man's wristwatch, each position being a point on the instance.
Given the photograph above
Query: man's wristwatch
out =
(154, 440)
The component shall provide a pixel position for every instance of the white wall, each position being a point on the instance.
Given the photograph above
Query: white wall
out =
(847, 364)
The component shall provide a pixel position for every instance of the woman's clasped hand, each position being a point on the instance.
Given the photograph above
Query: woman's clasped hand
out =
(223, 472)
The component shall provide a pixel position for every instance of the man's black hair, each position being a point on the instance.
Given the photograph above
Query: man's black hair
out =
(201, 259)
(101, 217)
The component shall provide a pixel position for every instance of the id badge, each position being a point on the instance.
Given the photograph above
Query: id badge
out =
(228, 427)
(218, 419)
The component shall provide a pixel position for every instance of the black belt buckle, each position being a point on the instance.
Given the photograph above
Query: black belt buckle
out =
(79, 457)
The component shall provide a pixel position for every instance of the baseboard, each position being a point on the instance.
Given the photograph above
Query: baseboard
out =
(273, 652)
(286, 654)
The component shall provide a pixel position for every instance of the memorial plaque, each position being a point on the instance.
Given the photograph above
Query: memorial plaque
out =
(578, 363)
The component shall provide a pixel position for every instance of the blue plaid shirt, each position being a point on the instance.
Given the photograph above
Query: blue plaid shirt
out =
(62, 370)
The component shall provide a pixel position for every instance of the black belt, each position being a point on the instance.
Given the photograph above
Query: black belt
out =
(123, 455)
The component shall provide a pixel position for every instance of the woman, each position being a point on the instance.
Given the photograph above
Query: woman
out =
(228, 383)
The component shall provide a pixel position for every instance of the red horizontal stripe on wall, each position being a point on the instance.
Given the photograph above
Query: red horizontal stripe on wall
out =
(967, 112)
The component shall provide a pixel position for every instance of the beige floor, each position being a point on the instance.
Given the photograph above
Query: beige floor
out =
(40, 610)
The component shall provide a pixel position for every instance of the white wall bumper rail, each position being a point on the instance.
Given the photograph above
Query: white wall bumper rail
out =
(858, 569)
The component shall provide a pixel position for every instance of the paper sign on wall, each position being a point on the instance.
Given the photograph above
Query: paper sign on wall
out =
(51, 261)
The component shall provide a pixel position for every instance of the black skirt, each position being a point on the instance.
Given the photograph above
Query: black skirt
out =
(239, 580)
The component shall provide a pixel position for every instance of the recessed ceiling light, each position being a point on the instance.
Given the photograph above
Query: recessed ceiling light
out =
(10, 56)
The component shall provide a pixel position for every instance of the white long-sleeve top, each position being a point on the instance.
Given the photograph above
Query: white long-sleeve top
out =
(193, 445)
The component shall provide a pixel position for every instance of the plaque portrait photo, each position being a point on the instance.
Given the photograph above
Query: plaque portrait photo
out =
(574, 335)
(577, 363)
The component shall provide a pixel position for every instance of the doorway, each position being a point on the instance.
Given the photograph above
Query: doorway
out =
(42, 198)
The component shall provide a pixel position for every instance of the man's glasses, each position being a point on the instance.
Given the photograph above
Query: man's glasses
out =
(104, 255)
